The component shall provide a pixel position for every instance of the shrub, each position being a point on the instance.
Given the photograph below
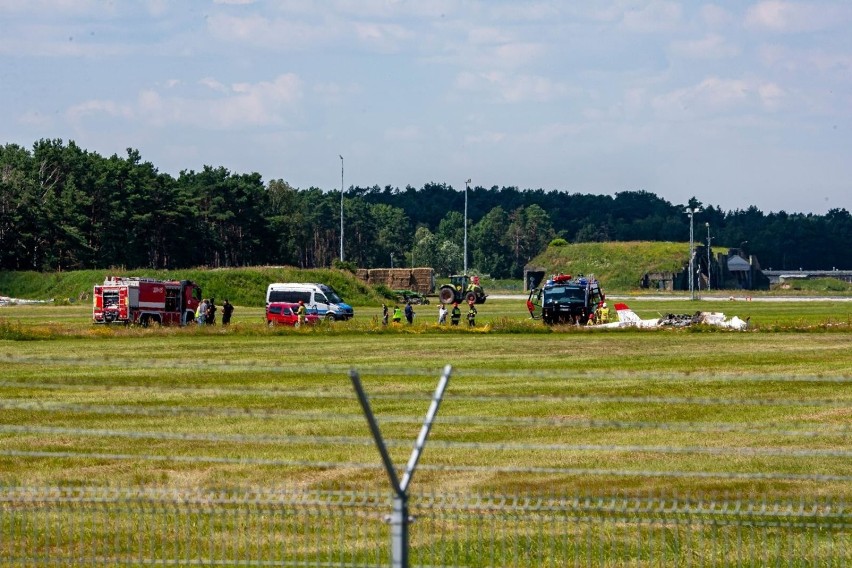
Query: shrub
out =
(344, 265)
(558, 243)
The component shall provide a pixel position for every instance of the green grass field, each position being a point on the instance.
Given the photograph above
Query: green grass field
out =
(760, 412)
(138, 446)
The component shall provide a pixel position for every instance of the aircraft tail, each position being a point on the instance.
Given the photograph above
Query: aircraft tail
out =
(626, 315)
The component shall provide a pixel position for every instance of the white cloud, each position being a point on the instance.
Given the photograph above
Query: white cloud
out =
(239, 105)
(712, 94)
(383, 37)
(712, 46)
(488, 36)
(655, 16)
(771, 95)
(80, 111)
(807, 61)
(792, 17)
(266, 32)
(56, 7)
(213, 85)
(716, 16)
(512, 88)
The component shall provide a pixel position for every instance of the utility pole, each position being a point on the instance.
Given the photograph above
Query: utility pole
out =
(466, 184)
(691, 211)
(341, 208)
(709, 266)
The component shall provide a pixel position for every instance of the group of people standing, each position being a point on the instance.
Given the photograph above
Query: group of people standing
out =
(205, 313)
(455, 314)
(398, 313)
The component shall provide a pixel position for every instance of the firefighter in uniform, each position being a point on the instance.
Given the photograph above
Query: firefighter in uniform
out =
(300, 313)
(471, 315)
(455, 315)
(603, 313)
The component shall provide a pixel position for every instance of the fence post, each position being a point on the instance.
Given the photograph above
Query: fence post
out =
(399, 519)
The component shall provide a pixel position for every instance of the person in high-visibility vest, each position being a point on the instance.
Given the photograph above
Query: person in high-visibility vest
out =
(300, 313)
(603, 313)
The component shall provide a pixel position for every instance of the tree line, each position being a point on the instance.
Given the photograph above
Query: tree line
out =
(65, 208)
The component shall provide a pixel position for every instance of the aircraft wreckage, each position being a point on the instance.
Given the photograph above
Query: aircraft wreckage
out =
(628, 318)
(580, 301)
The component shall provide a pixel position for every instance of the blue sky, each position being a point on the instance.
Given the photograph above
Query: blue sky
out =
(736, 103)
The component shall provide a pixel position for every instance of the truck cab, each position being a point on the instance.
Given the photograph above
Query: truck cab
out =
(564, 299)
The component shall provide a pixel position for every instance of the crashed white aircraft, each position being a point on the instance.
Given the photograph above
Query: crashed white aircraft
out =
(628, 318)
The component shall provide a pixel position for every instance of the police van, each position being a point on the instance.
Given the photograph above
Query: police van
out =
(326, 301)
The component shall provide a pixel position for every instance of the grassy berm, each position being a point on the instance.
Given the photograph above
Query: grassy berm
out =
(242, 286)
(619, 265)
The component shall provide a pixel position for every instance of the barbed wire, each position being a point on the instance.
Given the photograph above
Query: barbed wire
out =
(445, 444)
(823, 506)
(730, 475)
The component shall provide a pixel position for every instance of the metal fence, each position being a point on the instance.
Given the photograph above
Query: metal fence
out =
(50, 526)
(71, 447)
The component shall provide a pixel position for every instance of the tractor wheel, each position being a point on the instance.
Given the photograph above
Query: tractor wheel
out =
(470, 297)
(447, 295)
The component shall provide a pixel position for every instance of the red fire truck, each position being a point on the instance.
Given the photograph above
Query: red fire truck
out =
(144, 301)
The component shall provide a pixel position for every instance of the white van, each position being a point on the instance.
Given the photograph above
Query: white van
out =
(326, 301)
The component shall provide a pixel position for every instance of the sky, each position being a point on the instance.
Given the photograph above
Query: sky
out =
(735, 103)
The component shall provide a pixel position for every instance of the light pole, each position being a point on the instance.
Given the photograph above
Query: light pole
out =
(709, 266)
(341, 208)
(466, 184)
(691, 211)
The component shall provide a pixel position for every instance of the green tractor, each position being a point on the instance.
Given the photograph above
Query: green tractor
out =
(462, 288)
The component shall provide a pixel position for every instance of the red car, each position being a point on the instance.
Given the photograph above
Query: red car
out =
(284, 313)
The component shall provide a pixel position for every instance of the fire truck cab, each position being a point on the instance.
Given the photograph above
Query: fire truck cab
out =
(145, 301)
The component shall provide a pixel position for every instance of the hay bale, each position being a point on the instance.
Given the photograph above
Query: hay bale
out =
(423, 280)
(379, 275)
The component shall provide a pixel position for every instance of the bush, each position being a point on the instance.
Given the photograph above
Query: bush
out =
(558, 243)
(385, 292)
(344, 265)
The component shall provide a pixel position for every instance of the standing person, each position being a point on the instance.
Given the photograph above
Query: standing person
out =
(384, 314)
(603, 313)
(201, 312)
(531, 308)
(442, 314)
(409, 313)
(397, 314)
(227, 310)
(300, 313)
(455, 315)
(471, 315)
(211, 312)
